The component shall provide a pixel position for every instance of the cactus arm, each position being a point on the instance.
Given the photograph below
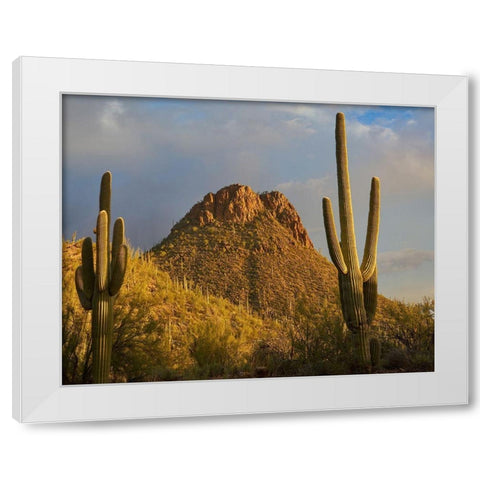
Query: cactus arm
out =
(88, 272)
(348, 242)
(369, 261)
(84, 300)
(105, 192)
(105, 200)
(332, 239)
(102, 251)
(118, 272)
(370, 296)
(118, 238)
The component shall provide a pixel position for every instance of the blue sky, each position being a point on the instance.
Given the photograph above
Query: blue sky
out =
(166, 154)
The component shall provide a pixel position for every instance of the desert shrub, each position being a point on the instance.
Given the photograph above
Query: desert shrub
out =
(272, 356)
(213, 347)
(312, 341)
(396, 359)
(76, 324)
(407, 334)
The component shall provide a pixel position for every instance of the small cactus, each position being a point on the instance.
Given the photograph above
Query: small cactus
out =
(98, 280)
(357, 283)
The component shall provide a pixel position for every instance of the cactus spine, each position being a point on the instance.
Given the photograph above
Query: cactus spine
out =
(357, 283)
(97, 286)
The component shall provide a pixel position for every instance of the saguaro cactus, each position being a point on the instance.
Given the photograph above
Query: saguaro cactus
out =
(357, 283)
(97, 286)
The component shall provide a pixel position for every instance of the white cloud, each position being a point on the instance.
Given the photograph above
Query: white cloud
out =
(111, 115)
(308, 111)
(314, 186)
(123, 129)
(402, 260)
(299, 125)
(400, 157)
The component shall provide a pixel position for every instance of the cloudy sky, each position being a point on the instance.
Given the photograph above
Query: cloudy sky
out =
(166, 154)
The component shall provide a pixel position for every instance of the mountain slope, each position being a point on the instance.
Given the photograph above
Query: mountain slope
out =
(162, 330)
(251, 249)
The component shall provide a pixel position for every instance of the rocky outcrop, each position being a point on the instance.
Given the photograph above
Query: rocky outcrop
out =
(235, 203)
(240, 204)
(279, 206)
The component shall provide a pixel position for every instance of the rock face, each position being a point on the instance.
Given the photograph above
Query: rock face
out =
(240, 204)
(279, 206)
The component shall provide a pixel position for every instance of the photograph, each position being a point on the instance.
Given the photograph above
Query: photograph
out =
(209, 239)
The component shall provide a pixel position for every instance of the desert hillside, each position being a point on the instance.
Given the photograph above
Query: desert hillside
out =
(235, 290)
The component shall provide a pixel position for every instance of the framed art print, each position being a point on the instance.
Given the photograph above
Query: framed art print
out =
(213, 240)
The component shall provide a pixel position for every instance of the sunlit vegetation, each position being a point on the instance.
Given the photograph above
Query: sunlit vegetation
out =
(258, 264)
(171, 327)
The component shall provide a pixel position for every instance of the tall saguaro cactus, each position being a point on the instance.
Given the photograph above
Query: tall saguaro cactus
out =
(357, 282)
(97, 286)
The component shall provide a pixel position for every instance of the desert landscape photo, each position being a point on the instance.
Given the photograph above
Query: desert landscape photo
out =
(214, 239)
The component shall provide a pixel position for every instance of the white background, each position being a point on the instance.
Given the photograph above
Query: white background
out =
(407, 36)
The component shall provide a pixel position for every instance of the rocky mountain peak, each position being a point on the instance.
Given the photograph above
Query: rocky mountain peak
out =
(240, 204)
